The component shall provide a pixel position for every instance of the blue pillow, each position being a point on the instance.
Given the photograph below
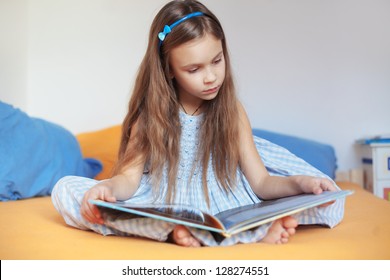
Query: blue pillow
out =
(35, 154)
(319, 155)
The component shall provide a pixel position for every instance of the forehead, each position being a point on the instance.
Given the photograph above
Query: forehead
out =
(197, 51)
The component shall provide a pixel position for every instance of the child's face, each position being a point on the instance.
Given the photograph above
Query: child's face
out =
(199, 69)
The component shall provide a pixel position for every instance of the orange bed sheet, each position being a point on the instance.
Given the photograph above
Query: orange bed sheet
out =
(32, 229)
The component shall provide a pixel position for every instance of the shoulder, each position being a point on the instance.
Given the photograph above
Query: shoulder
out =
(244, 127)
(243, 117)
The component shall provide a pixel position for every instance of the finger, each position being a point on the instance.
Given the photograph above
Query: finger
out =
(327, 185)
(87, 215)
(317, 189)
(94, 210)
(92, 214)
(85, 209)
(111, 199)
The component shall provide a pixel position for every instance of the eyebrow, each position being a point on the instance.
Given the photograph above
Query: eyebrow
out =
(197, 64)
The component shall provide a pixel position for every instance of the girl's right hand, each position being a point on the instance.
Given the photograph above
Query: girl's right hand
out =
(89, 211)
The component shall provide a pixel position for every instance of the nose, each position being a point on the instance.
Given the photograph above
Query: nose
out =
(210, 76)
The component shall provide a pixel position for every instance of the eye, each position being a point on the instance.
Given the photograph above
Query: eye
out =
(193, 70)
(218, 60)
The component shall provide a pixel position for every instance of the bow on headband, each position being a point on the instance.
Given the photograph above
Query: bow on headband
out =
(168, 28)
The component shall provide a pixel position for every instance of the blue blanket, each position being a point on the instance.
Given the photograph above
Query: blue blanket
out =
(320, 155)
(35, 154)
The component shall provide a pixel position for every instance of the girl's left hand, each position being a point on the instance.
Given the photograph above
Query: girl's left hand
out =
(316, 185)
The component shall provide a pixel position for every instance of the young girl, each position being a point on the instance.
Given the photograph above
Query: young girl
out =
(187, 139)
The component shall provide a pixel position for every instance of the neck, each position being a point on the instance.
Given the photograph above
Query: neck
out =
(191, 110)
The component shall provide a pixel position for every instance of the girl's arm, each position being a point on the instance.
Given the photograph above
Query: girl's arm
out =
(264, 185)
(120, 187)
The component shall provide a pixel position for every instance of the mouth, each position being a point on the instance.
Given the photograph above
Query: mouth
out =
(211, 90)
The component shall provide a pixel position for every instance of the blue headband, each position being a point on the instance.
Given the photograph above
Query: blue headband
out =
(168, 28)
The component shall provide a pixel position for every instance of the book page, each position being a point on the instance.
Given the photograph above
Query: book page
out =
(179, 214)
(265, 211)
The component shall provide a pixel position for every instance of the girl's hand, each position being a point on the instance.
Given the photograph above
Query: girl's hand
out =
(314, 185)
(89, 211)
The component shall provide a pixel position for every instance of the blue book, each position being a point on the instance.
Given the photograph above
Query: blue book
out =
(380, 139)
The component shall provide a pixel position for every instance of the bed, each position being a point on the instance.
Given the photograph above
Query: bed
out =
(32, 229)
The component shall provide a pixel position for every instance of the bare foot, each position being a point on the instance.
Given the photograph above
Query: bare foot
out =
(281, 230)
(181, 236)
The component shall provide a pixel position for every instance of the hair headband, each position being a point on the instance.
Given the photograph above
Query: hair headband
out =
(168, 28)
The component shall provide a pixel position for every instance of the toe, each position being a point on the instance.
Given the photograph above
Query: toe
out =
(285, 234)
(291, 231)
(283, 240)
(289, 222)
(182, 237)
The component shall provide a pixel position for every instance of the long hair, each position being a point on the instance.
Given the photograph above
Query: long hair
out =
(154, 106)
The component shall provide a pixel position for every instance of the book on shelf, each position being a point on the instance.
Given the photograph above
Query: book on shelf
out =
(378, 139)
(227, 222)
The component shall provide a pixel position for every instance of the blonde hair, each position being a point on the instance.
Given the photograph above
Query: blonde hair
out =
(154, 106)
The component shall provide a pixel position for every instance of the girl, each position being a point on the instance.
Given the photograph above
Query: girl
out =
(187, 139)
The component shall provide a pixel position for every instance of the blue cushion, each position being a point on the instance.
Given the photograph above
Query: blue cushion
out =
(35, 154)
(320, 155)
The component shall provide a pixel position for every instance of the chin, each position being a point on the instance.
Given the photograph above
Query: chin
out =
(209, 96)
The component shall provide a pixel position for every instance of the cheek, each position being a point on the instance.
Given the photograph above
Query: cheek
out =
(222, 74)
(193, 84)
(223, 70)
(191, 79)
(188, 82)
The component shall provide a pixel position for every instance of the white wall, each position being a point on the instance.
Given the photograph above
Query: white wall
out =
(13, 52)
(311, 68)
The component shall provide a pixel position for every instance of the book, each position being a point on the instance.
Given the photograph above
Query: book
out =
(378, 139)
(225, 223)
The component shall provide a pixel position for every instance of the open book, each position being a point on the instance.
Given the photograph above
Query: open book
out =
(228, 222)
